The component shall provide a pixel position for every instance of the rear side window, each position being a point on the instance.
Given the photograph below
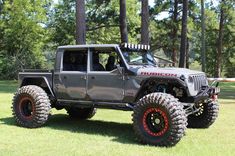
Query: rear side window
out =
(75, 60)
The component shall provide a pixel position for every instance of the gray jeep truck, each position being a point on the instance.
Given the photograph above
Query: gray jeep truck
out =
(164, 101)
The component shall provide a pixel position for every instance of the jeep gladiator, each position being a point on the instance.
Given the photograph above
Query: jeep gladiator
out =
(164, 101)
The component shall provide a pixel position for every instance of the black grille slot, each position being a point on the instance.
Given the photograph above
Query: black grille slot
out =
(199, 81)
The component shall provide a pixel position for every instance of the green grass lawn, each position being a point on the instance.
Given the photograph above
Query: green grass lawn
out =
(110, 133)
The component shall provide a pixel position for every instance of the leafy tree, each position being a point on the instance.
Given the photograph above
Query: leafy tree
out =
(61, 24)
(165, 33)
(228, 64)
(102, 22)
(212, 22)
(226, 18)
(30, 31)
(22, 36)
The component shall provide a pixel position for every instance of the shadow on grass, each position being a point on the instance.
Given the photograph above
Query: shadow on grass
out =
(122, 132)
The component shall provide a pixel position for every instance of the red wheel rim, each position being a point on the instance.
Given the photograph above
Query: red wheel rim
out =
(155, 121)
(26, 107)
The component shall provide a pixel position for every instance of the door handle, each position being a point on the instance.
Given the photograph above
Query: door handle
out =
(121, 78)
(65, 77)
(93, 77)
(83, 77)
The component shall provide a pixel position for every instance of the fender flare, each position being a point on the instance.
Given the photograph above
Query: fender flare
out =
(164, 79)
(23, 83)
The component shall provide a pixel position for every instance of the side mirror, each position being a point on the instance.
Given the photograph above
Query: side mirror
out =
(120, 70)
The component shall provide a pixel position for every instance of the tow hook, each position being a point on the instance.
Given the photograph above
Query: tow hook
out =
(214, 97)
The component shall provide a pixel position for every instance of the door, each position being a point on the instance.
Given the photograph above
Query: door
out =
(105, 81)
(105, 86)
(71, 80)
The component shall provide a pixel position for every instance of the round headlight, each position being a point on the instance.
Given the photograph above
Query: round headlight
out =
(182, 77)
(190, 79)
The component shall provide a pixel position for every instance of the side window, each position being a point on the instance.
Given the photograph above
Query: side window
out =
(75, 60)
(104, 59)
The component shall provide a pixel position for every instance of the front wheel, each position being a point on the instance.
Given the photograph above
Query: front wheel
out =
(159, 119)
(205, 117)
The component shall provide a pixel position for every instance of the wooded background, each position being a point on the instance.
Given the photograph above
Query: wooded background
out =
(192, 32)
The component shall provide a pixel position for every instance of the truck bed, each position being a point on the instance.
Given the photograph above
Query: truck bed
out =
(32, 74)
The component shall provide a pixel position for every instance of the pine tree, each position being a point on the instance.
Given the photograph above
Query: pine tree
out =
(80, 22)
(123, 22)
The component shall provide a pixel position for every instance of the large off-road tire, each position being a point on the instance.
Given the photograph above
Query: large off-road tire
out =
(208, 112)
(159, 119)
(31, 106)
(81, 113)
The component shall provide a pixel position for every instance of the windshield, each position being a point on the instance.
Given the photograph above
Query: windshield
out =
(135, 57)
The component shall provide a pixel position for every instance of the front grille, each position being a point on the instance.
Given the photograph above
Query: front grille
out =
(199, 81)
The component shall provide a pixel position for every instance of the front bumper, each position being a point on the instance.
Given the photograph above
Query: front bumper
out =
(207, 92)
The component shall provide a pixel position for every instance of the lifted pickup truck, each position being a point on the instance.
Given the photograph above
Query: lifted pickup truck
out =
(164, 101)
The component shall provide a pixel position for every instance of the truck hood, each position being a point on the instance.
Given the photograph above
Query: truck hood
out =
(165, 72)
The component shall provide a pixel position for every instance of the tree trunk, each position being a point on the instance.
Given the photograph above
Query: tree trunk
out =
(123, 23)
(145, 22)
(183, 43)
(1, 6)
(174, 33)
(203, 51)
(174, 56)
(187, 54)
(220, 42)
(80, 22)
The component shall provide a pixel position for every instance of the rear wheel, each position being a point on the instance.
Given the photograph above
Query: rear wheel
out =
(31, 106)
(159, 119)
(205, 117)
(81, 113)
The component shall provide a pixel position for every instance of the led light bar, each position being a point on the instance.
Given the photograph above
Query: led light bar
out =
(135, 46)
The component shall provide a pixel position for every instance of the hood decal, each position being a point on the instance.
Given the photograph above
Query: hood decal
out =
(158, 74)
(165, 72)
